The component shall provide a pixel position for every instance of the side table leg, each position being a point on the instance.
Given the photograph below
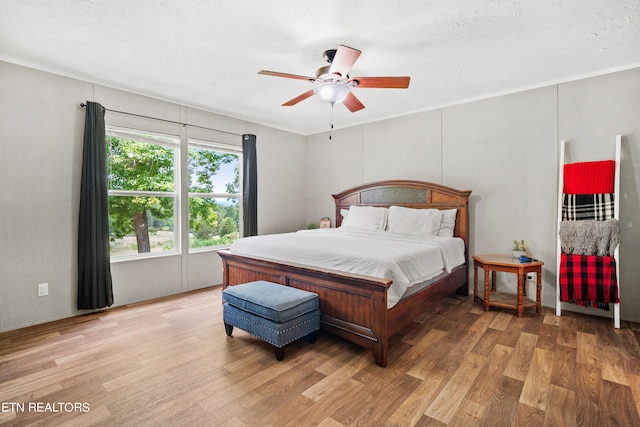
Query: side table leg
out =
(486, 288)
(521, 279)
(539, 291)
(475, 282)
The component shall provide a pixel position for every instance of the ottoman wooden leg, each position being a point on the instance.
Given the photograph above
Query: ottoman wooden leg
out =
(228, 328)
(279, 353)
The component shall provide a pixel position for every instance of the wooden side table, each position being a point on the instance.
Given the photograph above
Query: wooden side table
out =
(493, 263)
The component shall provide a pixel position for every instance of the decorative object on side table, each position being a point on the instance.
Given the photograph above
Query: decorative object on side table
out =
(519, 249)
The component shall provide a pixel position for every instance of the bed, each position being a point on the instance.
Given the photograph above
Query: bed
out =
(357, 306)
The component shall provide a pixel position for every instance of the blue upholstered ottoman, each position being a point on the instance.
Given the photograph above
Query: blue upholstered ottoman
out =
(275, 313)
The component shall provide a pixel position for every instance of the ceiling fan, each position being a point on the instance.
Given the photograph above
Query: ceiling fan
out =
(333, 83)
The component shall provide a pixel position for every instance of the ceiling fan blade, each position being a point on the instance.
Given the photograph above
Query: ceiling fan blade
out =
(298, 98)
(353, 103)
(343, 60)
(289, 76)
(383, 82)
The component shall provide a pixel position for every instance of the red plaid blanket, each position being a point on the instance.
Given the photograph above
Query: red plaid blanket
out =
(588, 280)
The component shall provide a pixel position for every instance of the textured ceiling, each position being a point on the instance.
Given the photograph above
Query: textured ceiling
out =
(206, 54)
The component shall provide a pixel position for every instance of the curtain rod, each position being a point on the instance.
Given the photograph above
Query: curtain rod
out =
(82, 104)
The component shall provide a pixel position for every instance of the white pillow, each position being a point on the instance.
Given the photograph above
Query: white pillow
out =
(448, 222)
(408, 220)
(366, 217)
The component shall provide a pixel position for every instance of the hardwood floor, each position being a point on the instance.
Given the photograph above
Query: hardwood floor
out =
(169, 362)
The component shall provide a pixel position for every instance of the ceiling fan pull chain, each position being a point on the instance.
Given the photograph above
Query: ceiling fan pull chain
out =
(331, 122)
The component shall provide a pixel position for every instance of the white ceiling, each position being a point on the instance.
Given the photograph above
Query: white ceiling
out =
(206, 54)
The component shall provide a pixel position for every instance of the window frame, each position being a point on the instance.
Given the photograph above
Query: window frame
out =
(199, 143)
(165, 140)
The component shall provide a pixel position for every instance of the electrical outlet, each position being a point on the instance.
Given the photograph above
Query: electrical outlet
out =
(43, 289)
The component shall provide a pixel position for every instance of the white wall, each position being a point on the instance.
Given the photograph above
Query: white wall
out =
(41, 130)
(504, 149)
(41, 123)
(281, 181)
(408, 147)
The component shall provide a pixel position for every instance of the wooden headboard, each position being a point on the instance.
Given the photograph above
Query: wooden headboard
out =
(410, 194)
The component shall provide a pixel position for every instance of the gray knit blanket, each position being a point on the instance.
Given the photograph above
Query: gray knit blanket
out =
(589, 237)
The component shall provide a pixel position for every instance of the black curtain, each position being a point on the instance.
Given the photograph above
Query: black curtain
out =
(94, 269)
(249, 186)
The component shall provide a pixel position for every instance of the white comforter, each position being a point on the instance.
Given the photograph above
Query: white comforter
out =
(407, 259)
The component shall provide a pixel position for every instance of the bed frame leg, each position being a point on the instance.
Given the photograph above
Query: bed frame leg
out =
(380, 354)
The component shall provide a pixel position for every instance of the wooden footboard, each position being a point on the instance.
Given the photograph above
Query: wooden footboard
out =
(352, 306)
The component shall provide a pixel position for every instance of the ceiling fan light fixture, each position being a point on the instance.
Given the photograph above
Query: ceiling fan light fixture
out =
(332, 92)
(333, 84)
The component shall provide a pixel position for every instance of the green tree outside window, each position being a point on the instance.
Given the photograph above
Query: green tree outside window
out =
(142, 184)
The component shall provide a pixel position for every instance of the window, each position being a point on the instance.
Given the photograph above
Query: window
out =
(142, 171)
(214, 194)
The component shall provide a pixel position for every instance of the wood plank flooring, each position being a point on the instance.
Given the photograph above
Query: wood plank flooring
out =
(169, 362)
